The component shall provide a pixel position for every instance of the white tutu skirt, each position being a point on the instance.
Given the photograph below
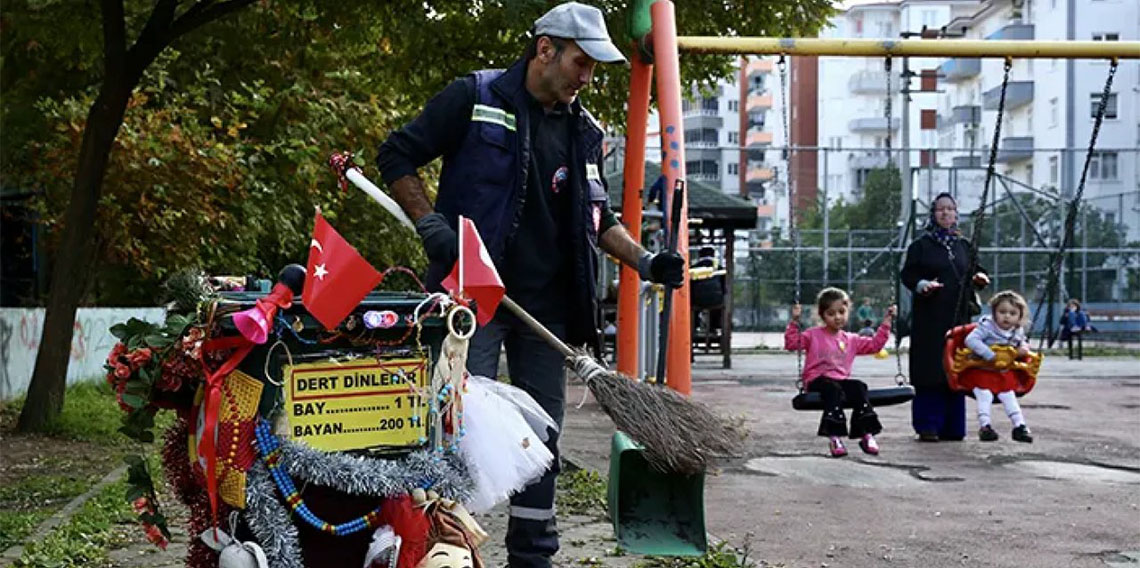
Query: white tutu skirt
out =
(501, 449)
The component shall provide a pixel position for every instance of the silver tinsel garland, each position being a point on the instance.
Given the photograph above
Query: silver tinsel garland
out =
(354, 475)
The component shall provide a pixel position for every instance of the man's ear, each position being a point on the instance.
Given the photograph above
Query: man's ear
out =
(545, 49)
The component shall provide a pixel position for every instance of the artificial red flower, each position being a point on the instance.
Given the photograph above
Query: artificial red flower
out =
(122, 371)
(141, 505)
(154, 535)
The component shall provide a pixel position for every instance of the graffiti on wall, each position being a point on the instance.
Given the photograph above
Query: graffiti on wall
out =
(20, 330)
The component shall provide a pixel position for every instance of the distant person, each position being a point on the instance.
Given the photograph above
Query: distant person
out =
(868, 330)
(829, 355)
(1004, 326)
(865, 312)
(1074, 323)
(934, 271)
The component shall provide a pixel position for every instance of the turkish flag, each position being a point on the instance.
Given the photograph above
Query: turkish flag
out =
(336, 278)
(474, 275)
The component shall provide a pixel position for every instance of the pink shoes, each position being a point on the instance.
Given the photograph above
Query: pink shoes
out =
(836, 446)
(869, 445)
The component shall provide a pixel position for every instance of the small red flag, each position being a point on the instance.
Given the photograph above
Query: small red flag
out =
(336, 278)
(474, 275)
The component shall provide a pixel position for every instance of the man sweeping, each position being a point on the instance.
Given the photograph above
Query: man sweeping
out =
(522, 159)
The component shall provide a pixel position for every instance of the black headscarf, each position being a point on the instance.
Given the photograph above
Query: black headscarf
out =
(944, 236)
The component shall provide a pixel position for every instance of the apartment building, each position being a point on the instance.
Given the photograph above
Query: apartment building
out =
(953, 103)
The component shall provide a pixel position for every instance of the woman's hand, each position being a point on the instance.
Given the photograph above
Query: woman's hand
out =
(980, 279)
(932, 286)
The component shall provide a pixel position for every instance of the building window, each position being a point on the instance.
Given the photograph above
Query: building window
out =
(733, 106)
(712, 104)
(1106, 36)
(733, 169)
(1053, 170)
(1053, 112)
(1103, 166)
(1109, 109)
(1029, 174)
(733, 137)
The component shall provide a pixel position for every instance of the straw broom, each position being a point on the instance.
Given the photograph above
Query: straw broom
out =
(678, 434)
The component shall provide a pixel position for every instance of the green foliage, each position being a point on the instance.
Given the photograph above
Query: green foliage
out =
(15, 526)
(221, 157)
(581, 492)
(719, 555)
(86, 414)
(86, 537)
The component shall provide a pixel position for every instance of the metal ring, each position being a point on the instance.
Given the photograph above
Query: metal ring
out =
(900, 379)
(451, 322)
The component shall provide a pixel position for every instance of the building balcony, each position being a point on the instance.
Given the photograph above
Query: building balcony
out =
(1014, 31)
(699, 119)
(869, 82)
(757, 67)
(868, 161)
(702, 151)
(974, 161)
(759, 174)
(1015, 148)
(758, 138)
(1017, 93)
(759, 103)
(965, 114)
(960, 68)
(703, 177)
(873, 124)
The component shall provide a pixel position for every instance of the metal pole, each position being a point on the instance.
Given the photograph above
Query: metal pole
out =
(1000, 49)
(826, 219)
(907, 194)
(997, 242)
(729, 283)
(850, 283)
(1085, 256)
(1021, 280)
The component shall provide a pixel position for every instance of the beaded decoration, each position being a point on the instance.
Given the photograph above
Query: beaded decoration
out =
(270, 449)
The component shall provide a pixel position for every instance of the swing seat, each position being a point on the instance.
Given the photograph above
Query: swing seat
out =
(878, 397)
(964, 370)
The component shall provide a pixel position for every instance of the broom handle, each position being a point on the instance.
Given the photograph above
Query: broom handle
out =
(667, 309)
(537, 327)
(357, 178)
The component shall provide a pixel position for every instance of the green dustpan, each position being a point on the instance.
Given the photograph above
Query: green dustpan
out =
(661, 514)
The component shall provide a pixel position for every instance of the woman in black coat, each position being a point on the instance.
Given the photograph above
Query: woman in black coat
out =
(935, 265)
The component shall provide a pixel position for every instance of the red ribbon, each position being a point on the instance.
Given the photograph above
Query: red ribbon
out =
(280, 297)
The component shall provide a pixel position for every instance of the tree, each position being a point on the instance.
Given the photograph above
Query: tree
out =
(215, 154)
(122, 68)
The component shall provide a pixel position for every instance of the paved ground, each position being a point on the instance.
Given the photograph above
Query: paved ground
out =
(1072, 499)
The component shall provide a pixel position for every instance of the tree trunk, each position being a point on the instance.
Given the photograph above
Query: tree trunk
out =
(75, 257)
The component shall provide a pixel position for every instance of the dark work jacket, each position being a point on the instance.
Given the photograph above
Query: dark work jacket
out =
(934, 314)
(485, 180)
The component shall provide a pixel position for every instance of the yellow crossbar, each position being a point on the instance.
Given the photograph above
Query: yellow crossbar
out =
(1018, 49)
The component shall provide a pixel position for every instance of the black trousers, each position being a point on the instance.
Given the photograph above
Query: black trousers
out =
(834, 422)
(1080, 345)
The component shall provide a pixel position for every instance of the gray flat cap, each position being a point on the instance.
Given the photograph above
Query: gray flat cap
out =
(583, 24)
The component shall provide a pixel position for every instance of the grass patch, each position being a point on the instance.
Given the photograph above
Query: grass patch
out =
(85, 538)
(719, 555)
(90, 414)
(41, 490)
(581, 492)
(15, 526)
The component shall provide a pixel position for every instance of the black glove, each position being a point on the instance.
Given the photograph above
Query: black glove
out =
(441, 244)
(663, 268)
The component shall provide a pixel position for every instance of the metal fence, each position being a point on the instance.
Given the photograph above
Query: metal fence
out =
(854, 242)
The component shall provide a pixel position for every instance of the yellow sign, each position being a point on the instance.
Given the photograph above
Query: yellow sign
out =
(363, 403)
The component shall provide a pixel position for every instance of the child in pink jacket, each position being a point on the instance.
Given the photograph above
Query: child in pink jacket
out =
(829, 355)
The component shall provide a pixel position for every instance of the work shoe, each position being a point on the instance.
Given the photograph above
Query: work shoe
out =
(836, 446)
(1021, 434)
(927, 436)
(869, 445)
(987, 434)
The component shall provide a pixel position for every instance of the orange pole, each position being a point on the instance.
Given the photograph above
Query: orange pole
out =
(628, 322)
(678, 372)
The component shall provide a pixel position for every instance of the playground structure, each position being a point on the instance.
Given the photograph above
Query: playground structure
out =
(657, 47)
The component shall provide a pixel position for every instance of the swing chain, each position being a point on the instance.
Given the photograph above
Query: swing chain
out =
(782, 66)
(980, 215)
(1074, 205)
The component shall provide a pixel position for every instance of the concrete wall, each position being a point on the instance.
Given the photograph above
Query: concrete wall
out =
(20, 330)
